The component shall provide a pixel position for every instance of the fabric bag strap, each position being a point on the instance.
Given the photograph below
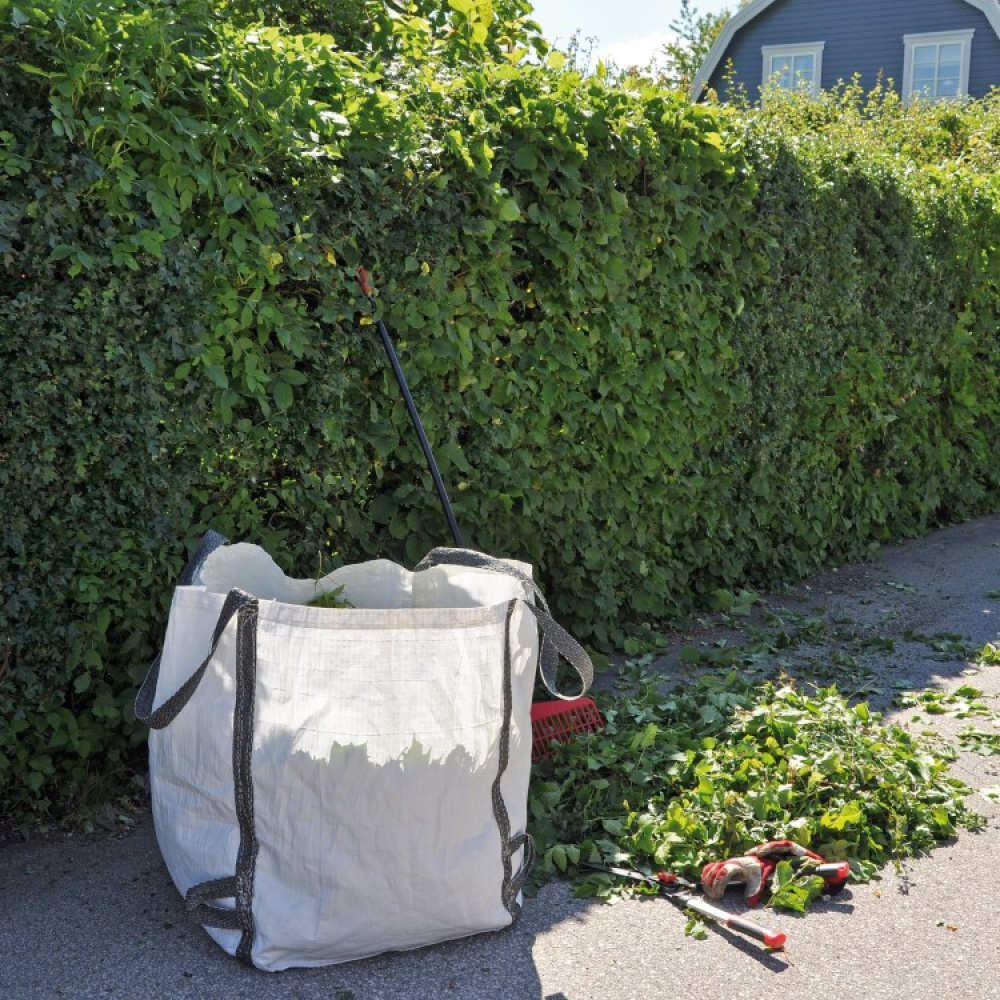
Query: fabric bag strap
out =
(236, 601)
(199, 898)
(560, 643)
(556, 641)
(479, 560)
(210, 541)
(526, 841)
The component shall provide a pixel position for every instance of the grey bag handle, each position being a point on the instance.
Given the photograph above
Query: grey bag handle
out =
(236, 602)
(210, 541)
(479, 560)
(556, 641)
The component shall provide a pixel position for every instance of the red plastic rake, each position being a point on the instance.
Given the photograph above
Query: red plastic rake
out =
(561, 721)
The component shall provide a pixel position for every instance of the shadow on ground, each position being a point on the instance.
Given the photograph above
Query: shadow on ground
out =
(99, 917)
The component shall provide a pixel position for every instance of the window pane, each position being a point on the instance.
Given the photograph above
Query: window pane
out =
(950, 53)
(924, 55)
(805, 68)
(804, 63)
(947, 87)
(781, 72)
(924, 81)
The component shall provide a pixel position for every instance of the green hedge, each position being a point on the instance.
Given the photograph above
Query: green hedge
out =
(661, 349)
(870, 356)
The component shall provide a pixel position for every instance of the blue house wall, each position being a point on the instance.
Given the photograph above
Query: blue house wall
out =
(861, 36)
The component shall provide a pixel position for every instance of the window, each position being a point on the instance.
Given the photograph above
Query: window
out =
(936, 67)
(793, 67)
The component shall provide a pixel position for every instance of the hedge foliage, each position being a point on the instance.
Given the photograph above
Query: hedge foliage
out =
(871, 356)
(661, 349)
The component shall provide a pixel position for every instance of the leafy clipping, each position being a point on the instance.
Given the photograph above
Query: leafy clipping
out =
(703, 772)
(331, 599)
(792, 892)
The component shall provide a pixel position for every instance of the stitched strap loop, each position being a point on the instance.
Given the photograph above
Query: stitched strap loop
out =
(556, 641)
(197, 902)
(171, 708)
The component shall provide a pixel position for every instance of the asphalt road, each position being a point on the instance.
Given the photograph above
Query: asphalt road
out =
(98, 917)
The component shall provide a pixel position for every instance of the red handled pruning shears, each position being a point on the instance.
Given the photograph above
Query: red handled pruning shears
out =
(833, 873)
(681, 893)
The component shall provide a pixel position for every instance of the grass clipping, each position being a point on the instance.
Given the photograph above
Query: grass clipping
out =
(706, 771)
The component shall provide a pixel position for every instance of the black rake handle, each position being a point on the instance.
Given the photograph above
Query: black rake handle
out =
(366, 287)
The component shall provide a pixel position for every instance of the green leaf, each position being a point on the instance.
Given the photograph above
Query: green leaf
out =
(383, 509)
(526, 158)
(695, 928)
(509, 210)
(793, 892)
(283, 395)
(217, 375)
(27, 67)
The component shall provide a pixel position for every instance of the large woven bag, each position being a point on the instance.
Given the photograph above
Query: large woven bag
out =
(329, 784)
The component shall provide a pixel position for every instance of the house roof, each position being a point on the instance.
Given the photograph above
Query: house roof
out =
(989, 7)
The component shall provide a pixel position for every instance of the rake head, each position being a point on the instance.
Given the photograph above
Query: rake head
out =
(560, 722)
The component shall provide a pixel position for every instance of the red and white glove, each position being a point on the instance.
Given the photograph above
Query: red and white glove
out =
(747, 871)
(752, 870)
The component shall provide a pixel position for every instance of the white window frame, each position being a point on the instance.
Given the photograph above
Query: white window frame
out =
(814, 49)
(910, 42)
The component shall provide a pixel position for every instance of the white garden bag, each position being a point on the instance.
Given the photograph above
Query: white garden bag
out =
(329, 784)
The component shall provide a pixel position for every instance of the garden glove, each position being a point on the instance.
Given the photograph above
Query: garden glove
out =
(750, 872)
(755, 869)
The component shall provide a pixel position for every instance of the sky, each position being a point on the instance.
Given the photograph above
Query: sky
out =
(628, 32)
